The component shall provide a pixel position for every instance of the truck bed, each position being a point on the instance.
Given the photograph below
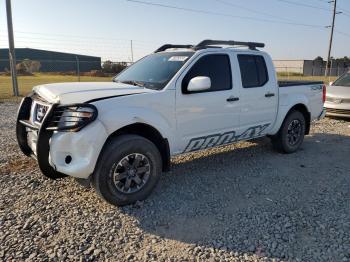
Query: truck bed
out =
(285, 83)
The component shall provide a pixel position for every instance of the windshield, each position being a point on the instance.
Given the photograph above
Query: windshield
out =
(344, 80)
(154, 71)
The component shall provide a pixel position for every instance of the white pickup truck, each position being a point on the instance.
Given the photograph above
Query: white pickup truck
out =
(120, 136)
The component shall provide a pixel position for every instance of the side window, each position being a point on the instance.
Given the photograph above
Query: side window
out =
(253, 70)
(216, 67)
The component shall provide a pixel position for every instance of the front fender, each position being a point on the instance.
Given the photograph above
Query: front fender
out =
(131, 115)
(81, 148)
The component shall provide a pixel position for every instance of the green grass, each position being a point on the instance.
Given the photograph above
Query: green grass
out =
(284, 74)
(26, 83)
(326, 80)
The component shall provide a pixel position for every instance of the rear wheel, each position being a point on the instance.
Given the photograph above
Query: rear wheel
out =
(291, 134)
(128, 170)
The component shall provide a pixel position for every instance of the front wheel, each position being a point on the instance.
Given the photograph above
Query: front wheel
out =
(291, 134)
(128, 170)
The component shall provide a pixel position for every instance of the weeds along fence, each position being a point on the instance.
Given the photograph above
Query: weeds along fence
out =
(76, 67)
(31, 73)
(299, 73)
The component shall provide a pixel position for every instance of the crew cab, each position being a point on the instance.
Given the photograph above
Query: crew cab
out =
(120, 136)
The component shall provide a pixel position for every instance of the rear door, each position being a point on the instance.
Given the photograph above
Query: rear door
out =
(202, 117)
(259, 93)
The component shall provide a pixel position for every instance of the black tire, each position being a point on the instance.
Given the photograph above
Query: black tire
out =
(118, 158)
(289, 139)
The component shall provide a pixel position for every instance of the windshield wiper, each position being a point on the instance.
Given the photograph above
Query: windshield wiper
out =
(130, 82)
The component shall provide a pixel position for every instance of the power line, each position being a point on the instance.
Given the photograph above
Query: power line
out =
(324, 1)
(252, 10)
(342, 33)
(96, 43)
(305, 5)
(343, 11)
(112, 43)
(222, 14)
(82, 37)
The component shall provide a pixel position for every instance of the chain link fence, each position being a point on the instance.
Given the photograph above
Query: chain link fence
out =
(299, 73)
(287, 71)
(31, 73)
(37, 72)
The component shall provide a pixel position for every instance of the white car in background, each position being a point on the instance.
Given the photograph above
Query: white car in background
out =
(338, 97)
(121, 135)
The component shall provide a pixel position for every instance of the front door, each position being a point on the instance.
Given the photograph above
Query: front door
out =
(203, 117)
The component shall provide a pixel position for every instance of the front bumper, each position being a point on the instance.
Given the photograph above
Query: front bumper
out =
(53, 149)
(23, 127)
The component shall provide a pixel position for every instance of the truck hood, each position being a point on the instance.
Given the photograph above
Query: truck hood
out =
(80, 92)
(338, 91)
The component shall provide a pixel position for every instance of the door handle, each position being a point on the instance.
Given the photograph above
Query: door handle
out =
(269, 94)
(232, 99)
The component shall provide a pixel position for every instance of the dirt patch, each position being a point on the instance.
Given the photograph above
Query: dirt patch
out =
(19, 165)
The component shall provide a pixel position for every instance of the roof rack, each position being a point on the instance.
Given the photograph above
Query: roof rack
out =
(168, 46)
(251, 45)
(211, 43)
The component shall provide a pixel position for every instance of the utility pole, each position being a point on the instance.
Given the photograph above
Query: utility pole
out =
(331, 37)
(132, 51)
(12, 55)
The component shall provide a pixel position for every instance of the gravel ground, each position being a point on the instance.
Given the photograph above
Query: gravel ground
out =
(246, 204)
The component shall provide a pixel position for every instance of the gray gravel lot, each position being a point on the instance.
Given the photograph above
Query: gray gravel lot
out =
(235, 203)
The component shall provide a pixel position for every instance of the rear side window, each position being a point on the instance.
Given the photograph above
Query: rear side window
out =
(216, 67)
(253, 70)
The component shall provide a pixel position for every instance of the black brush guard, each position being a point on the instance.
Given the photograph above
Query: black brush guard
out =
(43, 141)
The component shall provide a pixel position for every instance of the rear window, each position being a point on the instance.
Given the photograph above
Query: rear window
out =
(253, 70)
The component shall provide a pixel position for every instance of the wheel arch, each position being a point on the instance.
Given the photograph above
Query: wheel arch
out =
(150, 133)
(307, 115)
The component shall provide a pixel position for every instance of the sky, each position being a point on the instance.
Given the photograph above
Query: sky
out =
(291, 29)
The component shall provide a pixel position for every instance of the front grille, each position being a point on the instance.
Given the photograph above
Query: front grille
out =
(338, 111)
(40, 111)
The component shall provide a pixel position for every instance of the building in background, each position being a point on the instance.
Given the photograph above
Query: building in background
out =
(51, 61)
(310, 67)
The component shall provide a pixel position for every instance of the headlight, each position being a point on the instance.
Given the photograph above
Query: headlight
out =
(72, 117)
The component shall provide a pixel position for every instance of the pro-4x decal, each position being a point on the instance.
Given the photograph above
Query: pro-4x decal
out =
(204, 142)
